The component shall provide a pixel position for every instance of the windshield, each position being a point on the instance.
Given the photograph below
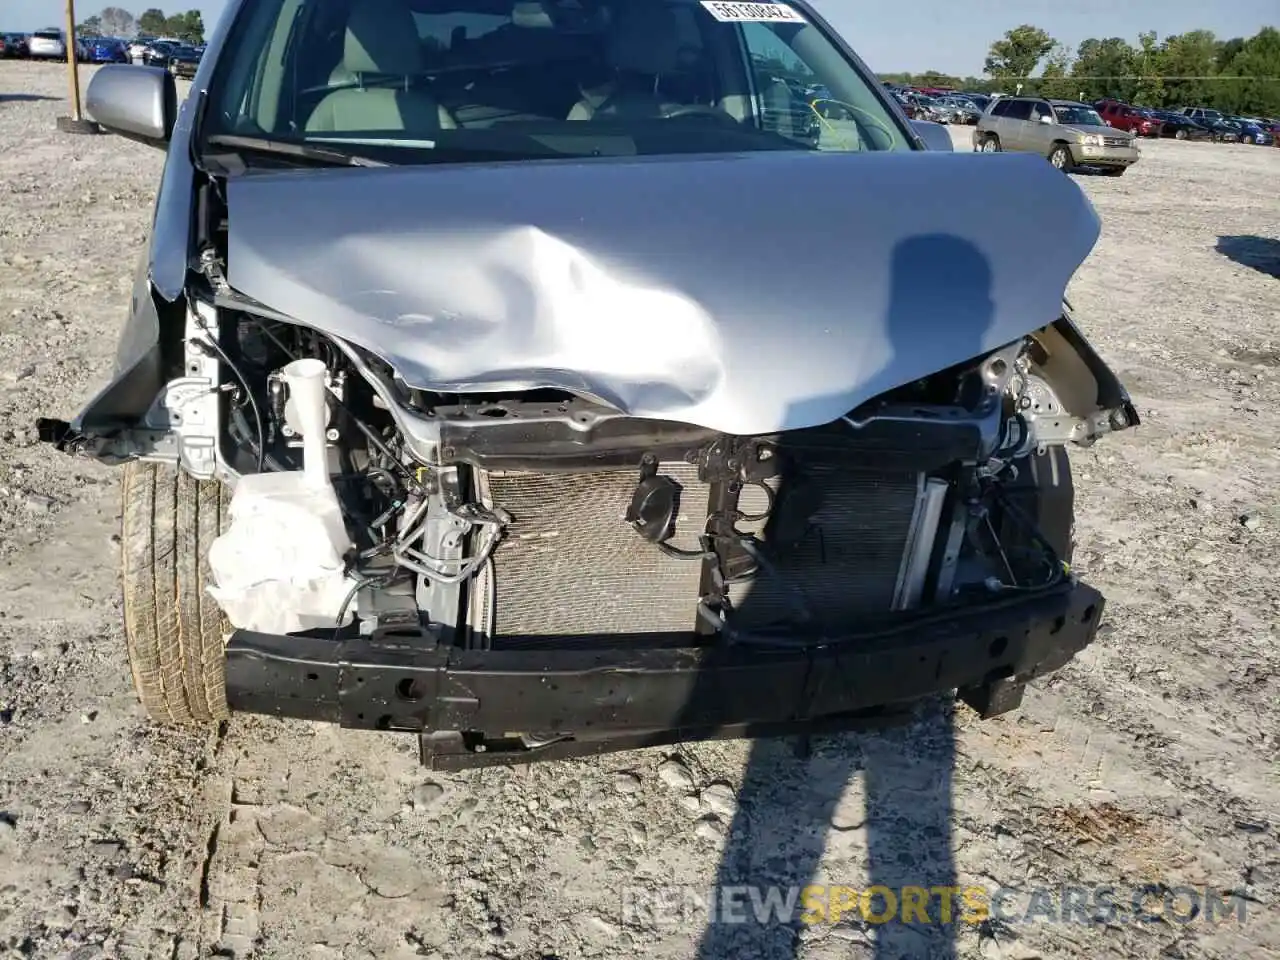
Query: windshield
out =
(1079, 115)
(422, 80)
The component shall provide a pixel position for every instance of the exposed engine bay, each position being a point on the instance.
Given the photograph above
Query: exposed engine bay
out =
(535, 573)
(565, 453)
(544, 518)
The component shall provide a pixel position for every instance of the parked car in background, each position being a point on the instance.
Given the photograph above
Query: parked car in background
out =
(1251, 131)
(910, 105)
(959, 110)
(1272, 126)
(156, 53)
(13, 46)
(1067, 133)
(138, 48)
(1181, 127)
(183, 62)
(1213, 121)
(1123, 116)
(107, 50)
(47, 44)
(929, 108)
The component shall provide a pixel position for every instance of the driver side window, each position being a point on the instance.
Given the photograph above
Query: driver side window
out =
(780, 79)
(1019, 110)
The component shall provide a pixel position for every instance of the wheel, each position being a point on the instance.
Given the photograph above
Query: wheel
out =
(1180, 134)
(991, 144)
(1114, 171)
(1060, 158)
(173, 628)
(1248, 138)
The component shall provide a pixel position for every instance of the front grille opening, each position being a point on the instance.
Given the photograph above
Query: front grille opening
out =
(572, 570)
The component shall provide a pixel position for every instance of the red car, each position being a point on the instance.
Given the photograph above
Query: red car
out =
(1122, 116)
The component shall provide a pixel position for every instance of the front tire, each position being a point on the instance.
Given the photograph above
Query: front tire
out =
(990, 144)
(1180, 134)
(1060, 158)
(1249, 139)
(173, 629)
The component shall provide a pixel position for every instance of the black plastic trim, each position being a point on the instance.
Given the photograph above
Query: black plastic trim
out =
(577, 692)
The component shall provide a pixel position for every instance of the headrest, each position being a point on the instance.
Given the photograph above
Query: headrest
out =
(645, 38)
(382, 38)
(531, 14)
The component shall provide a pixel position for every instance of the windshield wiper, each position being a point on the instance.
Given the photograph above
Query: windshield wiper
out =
(299, 151)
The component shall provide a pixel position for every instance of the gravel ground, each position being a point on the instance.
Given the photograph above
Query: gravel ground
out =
(1151, 759)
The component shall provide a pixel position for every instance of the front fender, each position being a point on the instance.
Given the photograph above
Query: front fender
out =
(139, 372)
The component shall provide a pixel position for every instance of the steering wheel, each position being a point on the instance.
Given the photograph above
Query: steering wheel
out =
(865, 116)
(695, 110)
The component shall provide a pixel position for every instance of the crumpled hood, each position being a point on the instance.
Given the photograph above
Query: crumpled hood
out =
(741, 293)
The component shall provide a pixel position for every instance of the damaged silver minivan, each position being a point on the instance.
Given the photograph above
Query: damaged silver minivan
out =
(548, 377)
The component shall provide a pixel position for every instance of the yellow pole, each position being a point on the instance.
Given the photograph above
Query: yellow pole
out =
(73, 68)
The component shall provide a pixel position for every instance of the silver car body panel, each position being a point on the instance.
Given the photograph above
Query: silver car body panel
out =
(745, 293)
(934, 135)
(1088, 130)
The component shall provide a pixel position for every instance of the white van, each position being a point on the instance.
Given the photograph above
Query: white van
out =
(48, 44)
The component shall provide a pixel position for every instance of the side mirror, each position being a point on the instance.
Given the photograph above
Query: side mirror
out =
(934, 135)
(1044, 119)
(140, 103)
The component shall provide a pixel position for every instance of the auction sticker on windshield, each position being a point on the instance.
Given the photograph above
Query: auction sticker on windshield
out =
(728, 11)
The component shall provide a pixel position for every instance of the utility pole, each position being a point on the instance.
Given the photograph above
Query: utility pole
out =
(74, 123)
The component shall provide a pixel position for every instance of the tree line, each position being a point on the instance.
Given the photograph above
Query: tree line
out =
(118, 22)
(1238, 76)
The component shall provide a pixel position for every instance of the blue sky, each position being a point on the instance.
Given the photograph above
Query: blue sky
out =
(947, 35)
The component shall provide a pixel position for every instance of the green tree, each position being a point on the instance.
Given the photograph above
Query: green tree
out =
(1190, 63)
(118, 22)
(1054, 81)
(1255, 88)
(934, 78)
(1149, 65)
(152, 22)
(1227, 51)
(1018, 53)
(1102, 68)
(91, 27)
(978, 84)
(187, 26)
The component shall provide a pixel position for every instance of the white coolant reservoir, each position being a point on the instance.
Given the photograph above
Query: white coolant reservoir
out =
(279, 566)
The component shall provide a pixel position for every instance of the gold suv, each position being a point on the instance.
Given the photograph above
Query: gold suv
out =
(1067, 133)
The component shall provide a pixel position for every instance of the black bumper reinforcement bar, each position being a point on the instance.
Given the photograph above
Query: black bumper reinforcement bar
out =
(472, 707)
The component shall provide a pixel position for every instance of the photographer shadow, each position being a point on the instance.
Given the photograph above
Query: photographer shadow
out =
(860, 822)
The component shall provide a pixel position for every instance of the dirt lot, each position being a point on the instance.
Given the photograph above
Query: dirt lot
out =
(1153, 758)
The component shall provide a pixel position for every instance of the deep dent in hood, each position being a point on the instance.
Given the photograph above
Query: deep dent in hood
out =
(746, 294)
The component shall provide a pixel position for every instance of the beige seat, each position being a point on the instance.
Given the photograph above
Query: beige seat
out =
(381, 41)
(643, 44)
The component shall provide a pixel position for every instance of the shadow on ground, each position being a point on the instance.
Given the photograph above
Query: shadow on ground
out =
(23, 97)
(1259, 253)
(864, 855)
(877, 805)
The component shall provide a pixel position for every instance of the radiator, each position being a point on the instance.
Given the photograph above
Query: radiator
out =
(849, 562)
(570, 565)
